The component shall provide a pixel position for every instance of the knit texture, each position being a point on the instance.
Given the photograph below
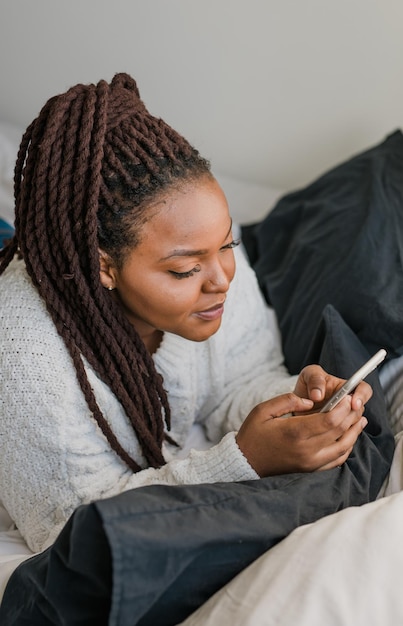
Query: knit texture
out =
(53, 455)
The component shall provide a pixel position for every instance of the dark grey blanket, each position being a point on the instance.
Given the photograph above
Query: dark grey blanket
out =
(339, 241)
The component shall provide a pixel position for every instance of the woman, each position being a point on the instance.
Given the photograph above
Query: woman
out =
(120, 329)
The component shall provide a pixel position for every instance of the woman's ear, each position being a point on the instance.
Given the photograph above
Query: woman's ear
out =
(106, 271)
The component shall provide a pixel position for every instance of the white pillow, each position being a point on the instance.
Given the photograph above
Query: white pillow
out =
(249, 202)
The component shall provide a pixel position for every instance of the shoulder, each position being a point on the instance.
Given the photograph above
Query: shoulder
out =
(27, 332)
(17, 291)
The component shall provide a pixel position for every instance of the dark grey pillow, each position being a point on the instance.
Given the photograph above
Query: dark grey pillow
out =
(339, 241)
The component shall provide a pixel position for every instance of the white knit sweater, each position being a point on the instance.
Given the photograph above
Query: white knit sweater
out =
(53, 455)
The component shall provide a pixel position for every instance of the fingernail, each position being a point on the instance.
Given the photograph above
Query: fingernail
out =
(317, 392)
(364, 422)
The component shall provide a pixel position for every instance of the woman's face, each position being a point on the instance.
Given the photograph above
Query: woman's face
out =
(177, 277)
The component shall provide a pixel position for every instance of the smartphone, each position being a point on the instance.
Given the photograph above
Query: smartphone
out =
(356, 378)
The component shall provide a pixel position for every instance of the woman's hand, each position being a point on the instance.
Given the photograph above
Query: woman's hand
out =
(319, 386)
(303, 442)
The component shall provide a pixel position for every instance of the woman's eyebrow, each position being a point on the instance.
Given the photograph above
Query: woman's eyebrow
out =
(182, 252)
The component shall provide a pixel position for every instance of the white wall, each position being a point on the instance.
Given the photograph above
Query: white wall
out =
(272, 91)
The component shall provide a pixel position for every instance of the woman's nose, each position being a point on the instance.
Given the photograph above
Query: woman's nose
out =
(218, 279)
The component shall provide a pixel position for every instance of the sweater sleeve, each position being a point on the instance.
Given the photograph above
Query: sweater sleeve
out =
(54, 457)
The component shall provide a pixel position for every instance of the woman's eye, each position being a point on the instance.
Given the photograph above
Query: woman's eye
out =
(231, 245)
(180, 275)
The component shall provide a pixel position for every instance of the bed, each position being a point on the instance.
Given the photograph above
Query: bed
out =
(344, 568)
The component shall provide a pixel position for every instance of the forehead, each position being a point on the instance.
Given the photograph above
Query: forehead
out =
(195, 213)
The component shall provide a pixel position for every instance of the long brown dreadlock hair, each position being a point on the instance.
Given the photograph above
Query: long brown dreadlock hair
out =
(87, 169)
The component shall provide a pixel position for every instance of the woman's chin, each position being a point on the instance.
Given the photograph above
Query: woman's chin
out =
(204, 333)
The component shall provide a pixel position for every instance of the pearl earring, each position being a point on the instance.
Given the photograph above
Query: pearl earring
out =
(110, 288)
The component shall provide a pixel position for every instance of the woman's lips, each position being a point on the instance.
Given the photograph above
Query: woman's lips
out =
(212, 313)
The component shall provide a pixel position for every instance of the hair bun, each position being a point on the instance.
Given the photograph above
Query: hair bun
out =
(125, 81)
